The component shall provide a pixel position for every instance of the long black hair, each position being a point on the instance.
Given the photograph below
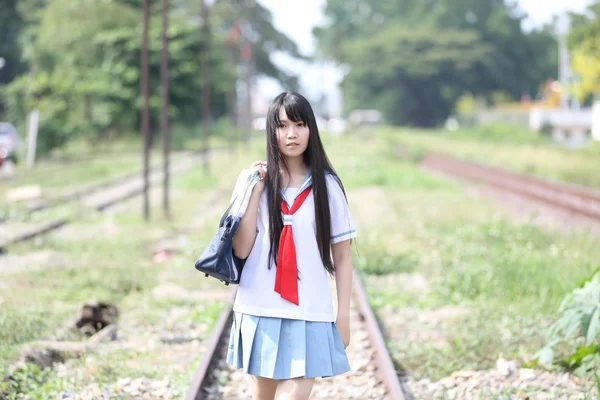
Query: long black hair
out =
(298, 109)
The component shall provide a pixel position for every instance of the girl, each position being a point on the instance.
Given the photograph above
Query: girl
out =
(292, 234)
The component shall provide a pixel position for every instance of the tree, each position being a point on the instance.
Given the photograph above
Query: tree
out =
(500, 56)
(412, 75)
(584, 42)
(83, 64)
(77, 87)
(10, 51)
(256, 26)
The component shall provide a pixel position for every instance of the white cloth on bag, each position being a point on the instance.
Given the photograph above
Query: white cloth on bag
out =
(241, 193)
(256, 294)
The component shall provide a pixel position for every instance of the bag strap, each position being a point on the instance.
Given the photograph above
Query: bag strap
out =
(251, 181)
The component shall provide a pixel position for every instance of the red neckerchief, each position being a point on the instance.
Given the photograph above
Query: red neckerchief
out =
(286, 279)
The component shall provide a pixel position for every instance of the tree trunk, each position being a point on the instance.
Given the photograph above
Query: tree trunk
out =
(206, 112)
(164, 121)
(145, 112)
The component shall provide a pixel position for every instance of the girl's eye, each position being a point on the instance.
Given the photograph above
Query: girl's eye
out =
(301, 124)
(281, 126)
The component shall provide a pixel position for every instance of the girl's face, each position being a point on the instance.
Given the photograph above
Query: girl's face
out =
(292, 137)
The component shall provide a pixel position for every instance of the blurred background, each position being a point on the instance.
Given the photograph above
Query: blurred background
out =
(473, 125)
(421, 64)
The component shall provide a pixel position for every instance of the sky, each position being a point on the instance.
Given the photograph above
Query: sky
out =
(297, 22)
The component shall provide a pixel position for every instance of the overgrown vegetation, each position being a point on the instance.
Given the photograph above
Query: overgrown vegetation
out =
(412, 60)
(483, 284)
(505, 146)
(108, 257)
(78, 63)
(459, 253)
(578, 327)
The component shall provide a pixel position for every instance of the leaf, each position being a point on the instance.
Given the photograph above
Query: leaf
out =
(545, 356)
(593, 327)
(532, 364)
(581, 353)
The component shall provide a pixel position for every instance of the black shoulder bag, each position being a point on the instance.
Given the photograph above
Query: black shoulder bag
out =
(218, 259)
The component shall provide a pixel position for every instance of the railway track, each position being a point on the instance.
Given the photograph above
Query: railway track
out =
(575, 199)
(98, 197)
(85, 190)
(373, 375)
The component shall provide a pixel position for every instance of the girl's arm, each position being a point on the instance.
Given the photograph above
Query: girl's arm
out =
(342, 260)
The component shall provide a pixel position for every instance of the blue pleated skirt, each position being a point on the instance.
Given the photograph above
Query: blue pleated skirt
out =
(280, 348)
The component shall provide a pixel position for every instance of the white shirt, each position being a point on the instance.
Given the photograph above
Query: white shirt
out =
(256, 294)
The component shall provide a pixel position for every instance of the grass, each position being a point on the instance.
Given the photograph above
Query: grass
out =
(80, 164)
(108, 258)
(508, 147)
(505, 279)
(508, 277)
(364, 160)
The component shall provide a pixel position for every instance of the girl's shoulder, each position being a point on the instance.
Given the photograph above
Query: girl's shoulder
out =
(332, 180)
(335, 189)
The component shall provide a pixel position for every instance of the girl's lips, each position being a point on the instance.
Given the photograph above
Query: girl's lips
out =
(293, 145)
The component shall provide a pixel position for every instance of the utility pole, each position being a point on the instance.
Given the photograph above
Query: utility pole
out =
(563, 70)
(145, 112)
(565, 74)
(232, 39)
(206, 112)
(247, 57)
(246, 53)
(164, 120)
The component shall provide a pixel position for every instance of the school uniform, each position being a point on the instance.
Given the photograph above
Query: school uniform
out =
(271, 336)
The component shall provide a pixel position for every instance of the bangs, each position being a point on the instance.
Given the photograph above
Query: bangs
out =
(294, 110)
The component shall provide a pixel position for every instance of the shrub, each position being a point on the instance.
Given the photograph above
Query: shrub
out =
(580, 321)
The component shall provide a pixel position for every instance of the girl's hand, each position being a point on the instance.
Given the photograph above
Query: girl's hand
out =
(260, 166)
(343, 326)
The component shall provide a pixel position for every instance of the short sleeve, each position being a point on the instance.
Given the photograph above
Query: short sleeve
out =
(342, 227)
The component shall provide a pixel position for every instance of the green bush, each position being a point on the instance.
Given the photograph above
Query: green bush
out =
(579, 322)
(32, 380)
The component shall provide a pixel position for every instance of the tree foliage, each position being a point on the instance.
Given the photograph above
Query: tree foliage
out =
(83, 61)
(585, 45)
(412, 59)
